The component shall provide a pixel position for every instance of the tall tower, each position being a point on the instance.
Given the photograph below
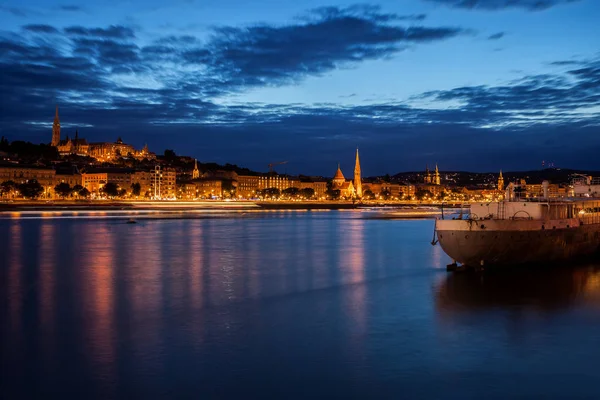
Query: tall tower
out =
(427, 174)
(437, 176)
(357, 178)
(195, 172)
(55, 130)
(500, 181)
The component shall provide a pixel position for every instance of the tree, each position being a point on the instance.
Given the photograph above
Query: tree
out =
(422, 193)
(385, 194)
(31, 189)
(170, 155)
(332, 194)
(273, 193)
(442, 196)
(77, 188)
(83, 192)
(122, 192)
(307, 193)
(136, 189)
(63, 189)
(111, 189)
(7, 188)
(368, 195)
(291, 192)
(4, 144)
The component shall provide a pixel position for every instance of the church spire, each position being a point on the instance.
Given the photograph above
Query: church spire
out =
(56, 129)
(195, 172)
(436, 176)
(500, 181)
(357, 177)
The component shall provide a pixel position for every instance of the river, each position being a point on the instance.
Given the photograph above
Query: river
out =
(274, 304)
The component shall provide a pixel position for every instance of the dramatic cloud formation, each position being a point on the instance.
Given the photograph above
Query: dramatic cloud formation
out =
(531, 5)
(174, 91)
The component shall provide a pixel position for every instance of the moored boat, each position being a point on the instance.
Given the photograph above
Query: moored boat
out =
(522, 231)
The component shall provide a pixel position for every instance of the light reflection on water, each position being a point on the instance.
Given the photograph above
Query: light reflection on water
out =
(280, 304)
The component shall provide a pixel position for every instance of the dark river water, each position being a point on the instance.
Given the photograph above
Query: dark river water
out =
(281, 305)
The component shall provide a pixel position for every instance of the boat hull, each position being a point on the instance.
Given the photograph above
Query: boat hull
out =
(513, 242)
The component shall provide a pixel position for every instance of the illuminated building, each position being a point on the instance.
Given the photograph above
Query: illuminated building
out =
(95, 179)
(201, 188)
(21, 174)
(436, 178)
(195, 172)
(76, 146)
(357, 179)
(154, 183)
(320, 187)
(427, 178)
(102, 151)
(339, 182)
(247, 185)
(55, 130)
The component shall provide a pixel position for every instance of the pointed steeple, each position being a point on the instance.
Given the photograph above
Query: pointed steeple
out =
(76, 135)
(55, 129)
(357, 177)
(436, 176)
(500, 181)
(195, 172)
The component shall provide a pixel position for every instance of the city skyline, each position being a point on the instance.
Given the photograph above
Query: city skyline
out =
(479, 86)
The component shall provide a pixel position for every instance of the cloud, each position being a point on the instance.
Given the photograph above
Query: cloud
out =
(570, 97)
(112, 32)
(496, 36)
(70, 7)
(40, 28)
(173, 92)
(530, 5)
(15, 11)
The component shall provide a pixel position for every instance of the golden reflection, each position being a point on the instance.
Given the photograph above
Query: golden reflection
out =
(46, 276)
(195, 249)
(144, 271)
(15, 269)
(353, 263)
(99, 296)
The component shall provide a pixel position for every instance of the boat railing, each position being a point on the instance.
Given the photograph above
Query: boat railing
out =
(590, 219)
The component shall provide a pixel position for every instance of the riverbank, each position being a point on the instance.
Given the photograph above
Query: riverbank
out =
(76, 205)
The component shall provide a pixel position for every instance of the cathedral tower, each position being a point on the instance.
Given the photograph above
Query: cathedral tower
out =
(357, 178)
(427, 174)
(55, 130)
(195, 172)
(500, 181)
(436, 177)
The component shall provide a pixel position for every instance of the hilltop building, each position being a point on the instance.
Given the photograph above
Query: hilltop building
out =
(102, 151)
(196, 171)
(55, 129)
(436, 177)
(500, 182)
(432, 179)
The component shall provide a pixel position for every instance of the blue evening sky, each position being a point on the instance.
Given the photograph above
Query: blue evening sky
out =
(476, 85)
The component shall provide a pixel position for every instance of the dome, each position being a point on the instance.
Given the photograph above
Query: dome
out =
(339, 175)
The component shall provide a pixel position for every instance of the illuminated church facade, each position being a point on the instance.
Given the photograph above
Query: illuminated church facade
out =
(348, 188)
(102, 151)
